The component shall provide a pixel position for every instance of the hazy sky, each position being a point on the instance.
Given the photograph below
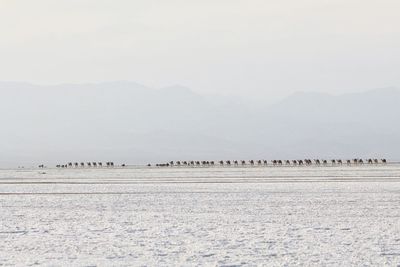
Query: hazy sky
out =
(257, 47)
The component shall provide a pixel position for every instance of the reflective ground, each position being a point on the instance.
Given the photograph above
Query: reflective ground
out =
(272, 216)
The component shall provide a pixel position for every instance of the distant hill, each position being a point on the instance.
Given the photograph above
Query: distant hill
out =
(132, 123)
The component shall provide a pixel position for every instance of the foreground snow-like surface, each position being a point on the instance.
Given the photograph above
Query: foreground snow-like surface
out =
(337, 216)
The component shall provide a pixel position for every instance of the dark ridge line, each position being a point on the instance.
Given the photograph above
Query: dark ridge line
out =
(201, 177)
(175, 192)
(210, 182)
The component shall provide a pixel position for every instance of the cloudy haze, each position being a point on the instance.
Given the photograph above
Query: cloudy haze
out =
(144, 81)
(239, 47)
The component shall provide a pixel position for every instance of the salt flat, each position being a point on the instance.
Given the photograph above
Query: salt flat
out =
(272, 216)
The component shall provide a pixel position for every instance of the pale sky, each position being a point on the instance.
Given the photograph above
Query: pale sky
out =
(256, 47)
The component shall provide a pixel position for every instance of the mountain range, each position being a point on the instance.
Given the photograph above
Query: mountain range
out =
(130, 123)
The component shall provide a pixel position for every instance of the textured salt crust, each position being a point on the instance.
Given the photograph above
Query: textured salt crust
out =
(225, 216)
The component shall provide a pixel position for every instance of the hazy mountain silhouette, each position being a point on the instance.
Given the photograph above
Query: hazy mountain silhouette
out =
(129, 122)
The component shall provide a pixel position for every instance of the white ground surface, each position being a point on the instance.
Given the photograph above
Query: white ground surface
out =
(309, 216)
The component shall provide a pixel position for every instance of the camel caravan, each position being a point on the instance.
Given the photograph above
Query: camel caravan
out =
(108, 164)
(243, 163)
(234, 163)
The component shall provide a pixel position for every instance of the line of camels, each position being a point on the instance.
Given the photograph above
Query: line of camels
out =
(301, 162)
(228, 163)
(87, 164)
